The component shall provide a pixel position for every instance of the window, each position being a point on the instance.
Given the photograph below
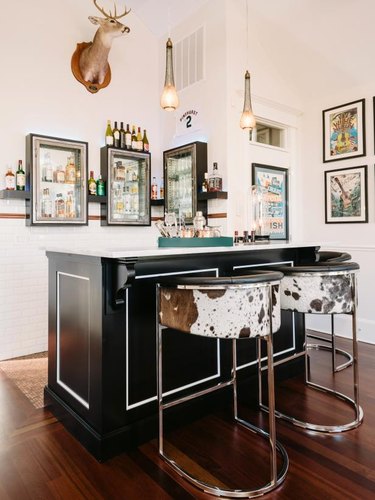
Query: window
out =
(271, 135)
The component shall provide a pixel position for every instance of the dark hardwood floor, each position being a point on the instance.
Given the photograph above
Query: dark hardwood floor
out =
(39, 459)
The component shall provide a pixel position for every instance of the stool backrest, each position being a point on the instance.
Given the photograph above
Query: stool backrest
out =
(235, 307)
(331, 256)
(324, 288)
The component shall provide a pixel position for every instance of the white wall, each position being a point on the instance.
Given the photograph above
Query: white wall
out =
(39, 94)
(357, 239)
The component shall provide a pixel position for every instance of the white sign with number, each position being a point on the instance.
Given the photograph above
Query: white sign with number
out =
(188, 121)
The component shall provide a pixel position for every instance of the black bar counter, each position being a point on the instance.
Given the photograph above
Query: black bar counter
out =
(101, 341)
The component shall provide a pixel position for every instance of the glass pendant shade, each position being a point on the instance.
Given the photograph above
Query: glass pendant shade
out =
(247, 121)
(169, 97)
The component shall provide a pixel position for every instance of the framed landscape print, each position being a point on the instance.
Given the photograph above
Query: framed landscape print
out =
(273, 183)
(344, 131)
(346, 195)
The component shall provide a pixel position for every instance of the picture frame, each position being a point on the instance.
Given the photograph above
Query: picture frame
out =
(346, 195)
(273, 181)
(57, 172)
(344, 131)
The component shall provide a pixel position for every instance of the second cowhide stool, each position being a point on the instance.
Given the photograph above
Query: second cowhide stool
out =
(231, 309)
(325, 288)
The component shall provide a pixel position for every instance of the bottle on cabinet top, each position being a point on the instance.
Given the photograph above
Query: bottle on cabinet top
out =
(128, 137)
(122, 136)
(20, 177)
(215, 180)
(109, 134)
(139, 140)
(116, 136)
(146, 145)
(134, 139)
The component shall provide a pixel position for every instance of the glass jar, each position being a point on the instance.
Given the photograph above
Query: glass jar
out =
(260, 212)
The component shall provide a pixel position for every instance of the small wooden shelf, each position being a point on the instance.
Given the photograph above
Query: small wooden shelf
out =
(7, 194)
(213, 195)
(93, 198)
(157, 203)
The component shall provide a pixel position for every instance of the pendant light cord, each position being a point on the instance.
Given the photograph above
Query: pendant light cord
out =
(247, 33)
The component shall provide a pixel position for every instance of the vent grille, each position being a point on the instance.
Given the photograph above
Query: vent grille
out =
(189, 60)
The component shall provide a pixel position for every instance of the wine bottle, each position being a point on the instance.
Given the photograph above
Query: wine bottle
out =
(109, 134)
(20, 177)
(100, 186)
(128, 137)
(139, 140)
(134, 139)
(92, 183)
(116, 136)
(146, 145)
(122, 136)
(10, 180)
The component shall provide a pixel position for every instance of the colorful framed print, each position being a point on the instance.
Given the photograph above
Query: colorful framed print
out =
(273, 183)
(344, 131)
(346, 195)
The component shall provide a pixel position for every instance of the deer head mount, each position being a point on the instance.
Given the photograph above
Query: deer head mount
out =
(90, 59)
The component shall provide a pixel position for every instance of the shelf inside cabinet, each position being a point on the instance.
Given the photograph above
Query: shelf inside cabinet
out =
(94, 198)
(213, 195)
(9, 194)
(157, 203)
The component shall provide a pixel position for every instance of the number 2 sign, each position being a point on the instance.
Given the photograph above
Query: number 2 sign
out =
(188, 121)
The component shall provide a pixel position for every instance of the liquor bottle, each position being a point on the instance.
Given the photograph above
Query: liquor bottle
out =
(48, 168)
(122, 136)
(215, 181)
(10, 180)
(146, 145)
(100, 186)
(70, 171)
(92, 183)
(60, 206)
(109, 134)
(60, 174)
(154, 189)
(120, 171)
(204, 187)
(139, 140)
(20, 177)
(161, 190)
(128, 137)
(46, 204)
(70, 206)
(116, 136)
(134, 139)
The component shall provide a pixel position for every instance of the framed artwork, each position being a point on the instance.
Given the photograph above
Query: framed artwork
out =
(344, 131)
(346, 195)
(271, 185)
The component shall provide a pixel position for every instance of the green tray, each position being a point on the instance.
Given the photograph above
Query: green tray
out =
(222, 241)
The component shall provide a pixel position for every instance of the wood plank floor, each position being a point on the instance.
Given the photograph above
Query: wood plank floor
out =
(39, 459)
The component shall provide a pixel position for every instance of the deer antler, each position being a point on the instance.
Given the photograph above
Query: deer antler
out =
(106, 14)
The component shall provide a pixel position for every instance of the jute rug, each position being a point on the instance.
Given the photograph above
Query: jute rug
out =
(29, 374)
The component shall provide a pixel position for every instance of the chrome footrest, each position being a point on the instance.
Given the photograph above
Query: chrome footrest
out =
(322, 347)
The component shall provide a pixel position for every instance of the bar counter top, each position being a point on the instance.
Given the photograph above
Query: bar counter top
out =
(154, 251)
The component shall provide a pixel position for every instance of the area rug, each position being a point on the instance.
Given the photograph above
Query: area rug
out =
(29, 374)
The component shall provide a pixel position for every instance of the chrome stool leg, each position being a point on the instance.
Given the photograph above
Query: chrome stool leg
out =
(334, 350)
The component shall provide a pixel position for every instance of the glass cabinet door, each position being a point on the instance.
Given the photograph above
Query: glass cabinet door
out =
(127, 175)
(58, 178)
(184, 169)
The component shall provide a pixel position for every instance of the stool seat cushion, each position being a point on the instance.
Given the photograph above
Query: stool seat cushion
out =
(220, 310)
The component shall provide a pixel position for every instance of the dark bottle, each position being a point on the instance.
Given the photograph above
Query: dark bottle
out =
(20, 177)
(122, 136)
(134, 139)
(116, 136)
(100, 186)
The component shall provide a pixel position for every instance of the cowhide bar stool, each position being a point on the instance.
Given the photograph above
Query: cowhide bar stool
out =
(223, 308)
(331, 257)
(325, 288)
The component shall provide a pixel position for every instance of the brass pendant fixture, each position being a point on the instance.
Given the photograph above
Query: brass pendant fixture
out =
(169, 97)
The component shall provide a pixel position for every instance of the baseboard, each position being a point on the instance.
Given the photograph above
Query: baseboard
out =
(343, 326)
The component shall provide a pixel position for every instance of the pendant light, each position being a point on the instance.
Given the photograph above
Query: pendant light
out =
(169, 97)
(247, 121)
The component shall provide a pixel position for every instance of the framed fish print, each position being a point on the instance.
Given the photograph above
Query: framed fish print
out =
(346, 195)
(344, 131)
